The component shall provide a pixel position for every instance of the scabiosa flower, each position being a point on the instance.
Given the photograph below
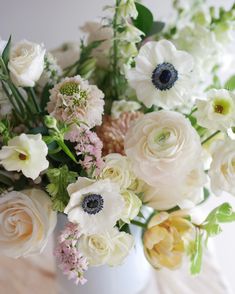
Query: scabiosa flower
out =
(89, 146)
(94, 205)
(72, 262)
(162, 75)
(112, 131)
(75, 101)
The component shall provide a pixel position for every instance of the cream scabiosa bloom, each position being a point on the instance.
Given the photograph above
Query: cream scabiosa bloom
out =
(26, 222)
(109, 247)
(26, 153)
(26, 63)
(217, 112)
(222, 169)
(162, 146)
(94, 205)
(162, 74)
(74, 101)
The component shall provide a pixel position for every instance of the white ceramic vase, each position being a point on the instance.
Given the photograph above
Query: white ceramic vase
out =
(131, 277)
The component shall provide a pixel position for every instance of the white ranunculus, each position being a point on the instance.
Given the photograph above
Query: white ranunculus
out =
(117, 168)
(162, 75)
(26, 222)
(109, 247)
(184, 194)
(118, 107)
(222, 170)
(26, 63)
(132, 206)
(26, 153)
(94, 205)
(2, 45)
(217, 111)
(163, 147)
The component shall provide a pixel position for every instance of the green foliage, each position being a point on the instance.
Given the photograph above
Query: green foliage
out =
(230, 84)
(144, 21)
(196, 253)
(59, 179)
(157, 27)
(6, 52)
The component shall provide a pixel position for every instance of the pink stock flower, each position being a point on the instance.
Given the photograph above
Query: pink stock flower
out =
(71, 261)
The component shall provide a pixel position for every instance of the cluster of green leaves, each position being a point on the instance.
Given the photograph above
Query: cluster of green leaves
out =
(209, 228)
(59, 179)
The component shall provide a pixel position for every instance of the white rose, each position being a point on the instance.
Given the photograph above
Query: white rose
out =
(94, 205)
(26, 63)
(217, 112)
(26, 153)
(184, 194)
(2, 45)
(162, 147)
(222, 170)
(132, 206)
(109, 248)
(117, 169)
(118, 107)
(26, 222)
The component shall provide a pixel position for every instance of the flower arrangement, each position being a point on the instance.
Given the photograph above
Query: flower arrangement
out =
(134, 128)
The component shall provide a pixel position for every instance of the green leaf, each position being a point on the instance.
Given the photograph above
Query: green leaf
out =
(144, 21)
(157, 27)
(59, 179)
(230, 84)
(5, 179)
(6, 52)
(196, 254)
(206, 193)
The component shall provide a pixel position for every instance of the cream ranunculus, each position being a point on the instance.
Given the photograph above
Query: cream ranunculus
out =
(26, 153)
(185, 194)
(132, 206)
(26, 222)
(117, 168)
(165, 239)
(217, 111)
(26, 63)
(222, 170)
(163, 148)
(94, 205)
(109, 247)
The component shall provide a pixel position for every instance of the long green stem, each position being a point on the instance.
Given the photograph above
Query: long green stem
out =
(210, 137)
(139, 224)
(34, 99)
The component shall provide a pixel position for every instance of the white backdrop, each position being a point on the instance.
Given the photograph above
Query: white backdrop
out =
(55, 21)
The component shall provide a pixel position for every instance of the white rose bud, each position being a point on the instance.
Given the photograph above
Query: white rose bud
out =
(27, 221)
(132, 206)
(109, 248)
(26, 63)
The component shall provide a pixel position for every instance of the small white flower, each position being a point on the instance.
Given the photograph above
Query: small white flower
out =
(109, 247)
(26, 63)
(217, 112)
(130, 34)
(222, 170)
(118, 107)
(162, 147)
(95, 205)
(127, 9)
(162, 75)
(117, 168)
(132, 206)
(26, 153)
(27, 221)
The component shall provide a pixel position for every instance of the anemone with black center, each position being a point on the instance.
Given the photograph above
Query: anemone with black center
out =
(164, 76)
(92, 203)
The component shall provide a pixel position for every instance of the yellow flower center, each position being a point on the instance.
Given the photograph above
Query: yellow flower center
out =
(222, 106)
(22, 156)
(70, 88)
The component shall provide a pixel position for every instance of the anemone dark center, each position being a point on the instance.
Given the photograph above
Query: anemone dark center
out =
(92, 203)
(164, 76)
